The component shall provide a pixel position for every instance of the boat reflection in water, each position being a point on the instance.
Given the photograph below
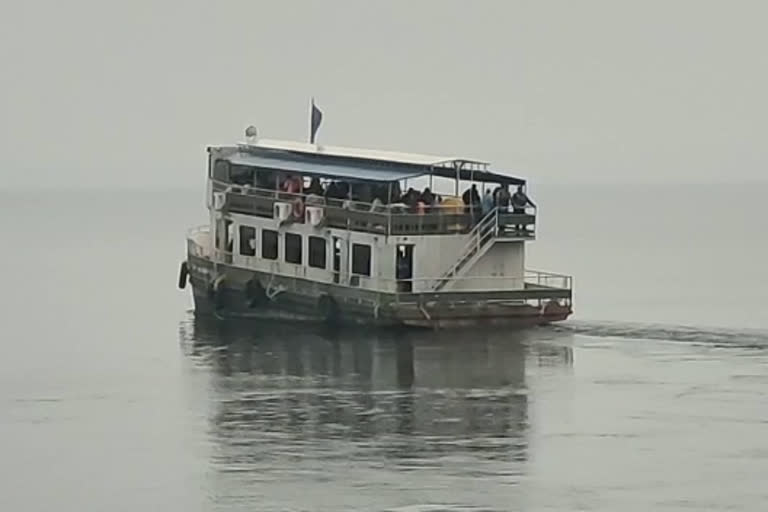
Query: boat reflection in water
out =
(314, 405)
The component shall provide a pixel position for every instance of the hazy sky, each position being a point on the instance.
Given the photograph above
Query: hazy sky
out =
(129, 93)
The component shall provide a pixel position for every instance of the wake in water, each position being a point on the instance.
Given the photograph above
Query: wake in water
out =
(712, 337)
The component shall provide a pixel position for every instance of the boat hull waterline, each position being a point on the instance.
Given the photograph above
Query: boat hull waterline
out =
(230, 298)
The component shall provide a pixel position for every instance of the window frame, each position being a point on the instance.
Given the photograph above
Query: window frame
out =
(288, 251)
(266, 234)
(310, 260)
(251, 250)
(355, 266)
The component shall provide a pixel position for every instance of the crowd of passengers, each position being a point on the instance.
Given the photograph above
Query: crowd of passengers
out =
(376, 197)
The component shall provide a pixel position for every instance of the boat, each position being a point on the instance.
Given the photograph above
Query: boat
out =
(307, 232)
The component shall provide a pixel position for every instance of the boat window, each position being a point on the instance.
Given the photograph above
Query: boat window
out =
(221, 170)
(361, 259)
(247, 241)
(293, 248)
(230, 236)
(317, 250)
(269, 244)
(404, 267)
(336, 259)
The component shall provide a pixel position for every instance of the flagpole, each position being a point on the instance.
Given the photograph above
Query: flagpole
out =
(311, 106)
(315, 118)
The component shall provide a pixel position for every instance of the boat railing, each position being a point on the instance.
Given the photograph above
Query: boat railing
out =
(199, 242)
(532, 279)
(386, 219)
(548, 280)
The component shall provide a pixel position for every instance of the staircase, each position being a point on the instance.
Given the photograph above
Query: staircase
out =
(480, 238)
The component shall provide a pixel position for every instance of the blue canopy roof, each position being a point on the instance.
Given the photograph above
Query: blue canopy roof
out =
(356, 168)
(346, 170)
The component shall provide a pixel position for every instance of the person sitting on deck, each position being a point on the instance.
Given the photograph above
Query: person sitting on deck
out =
(315, 187)
(411, 199)
(337, 192)
(428, 198)
(292, 185)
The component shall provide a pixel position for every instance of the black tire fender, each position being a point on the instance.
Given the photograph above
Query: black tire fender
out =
(183, 275)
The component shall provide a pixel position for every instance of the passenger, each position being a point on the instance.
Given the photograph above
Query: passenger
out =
(410, 198)
(344, 190)
(292, 185)
(315, 187)
(471, 198)
(336, 193)
(331, 192)
(487, 202)
(428, 198)
(395, 193)
(502, 198)
(520, 201)
(496, 195)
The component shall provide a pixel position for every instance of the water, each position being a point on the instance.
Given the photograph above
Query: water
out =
(112, 397)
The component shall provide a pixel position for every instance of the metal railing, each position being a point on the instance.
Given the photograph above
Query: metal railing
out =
(386, 219)
(199, 242)
(548, 279)
(532, 280)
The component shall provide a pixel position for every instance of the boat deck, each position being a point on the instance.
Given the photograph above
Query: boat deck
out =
(391, 220)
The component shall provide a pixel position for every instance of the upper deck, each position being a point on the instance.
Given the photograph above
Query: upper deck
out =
(362, 190)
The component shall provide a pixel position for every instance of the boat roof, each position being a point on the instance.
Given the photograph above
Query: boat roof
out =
(364, 154)
(359, 164)
(357, 172)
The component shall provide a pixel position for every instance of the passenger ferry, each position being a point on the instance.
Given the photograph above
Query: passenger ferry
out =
(341, 235)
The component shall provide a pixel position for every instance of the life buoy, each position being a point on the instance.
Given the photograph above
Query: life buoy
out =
(328, 309)
(254, 293)
(183, 274)
(298, 208)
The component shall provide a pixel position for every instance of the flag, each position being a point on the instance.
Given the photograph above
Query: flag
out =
(314, 124)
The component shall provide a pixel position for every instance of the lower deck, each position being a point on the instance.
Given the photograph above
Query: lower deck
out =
(228, 291)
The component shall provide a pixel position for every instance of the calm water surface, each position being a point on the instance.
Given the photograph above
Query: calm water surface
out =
(113, 397)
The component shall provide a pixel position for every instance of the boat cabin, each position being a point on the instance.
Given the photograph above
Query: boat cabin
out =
(382, 221)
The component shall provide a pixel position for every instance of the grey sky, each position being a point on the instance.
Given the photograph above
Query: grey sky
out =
(97, 93)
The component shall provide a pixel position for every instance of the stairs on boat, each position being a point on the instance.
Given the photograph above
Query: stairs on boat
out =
(479, 240)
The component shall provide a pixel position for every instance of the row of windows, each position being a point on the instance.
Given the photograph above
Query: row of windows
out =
(294, 249)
